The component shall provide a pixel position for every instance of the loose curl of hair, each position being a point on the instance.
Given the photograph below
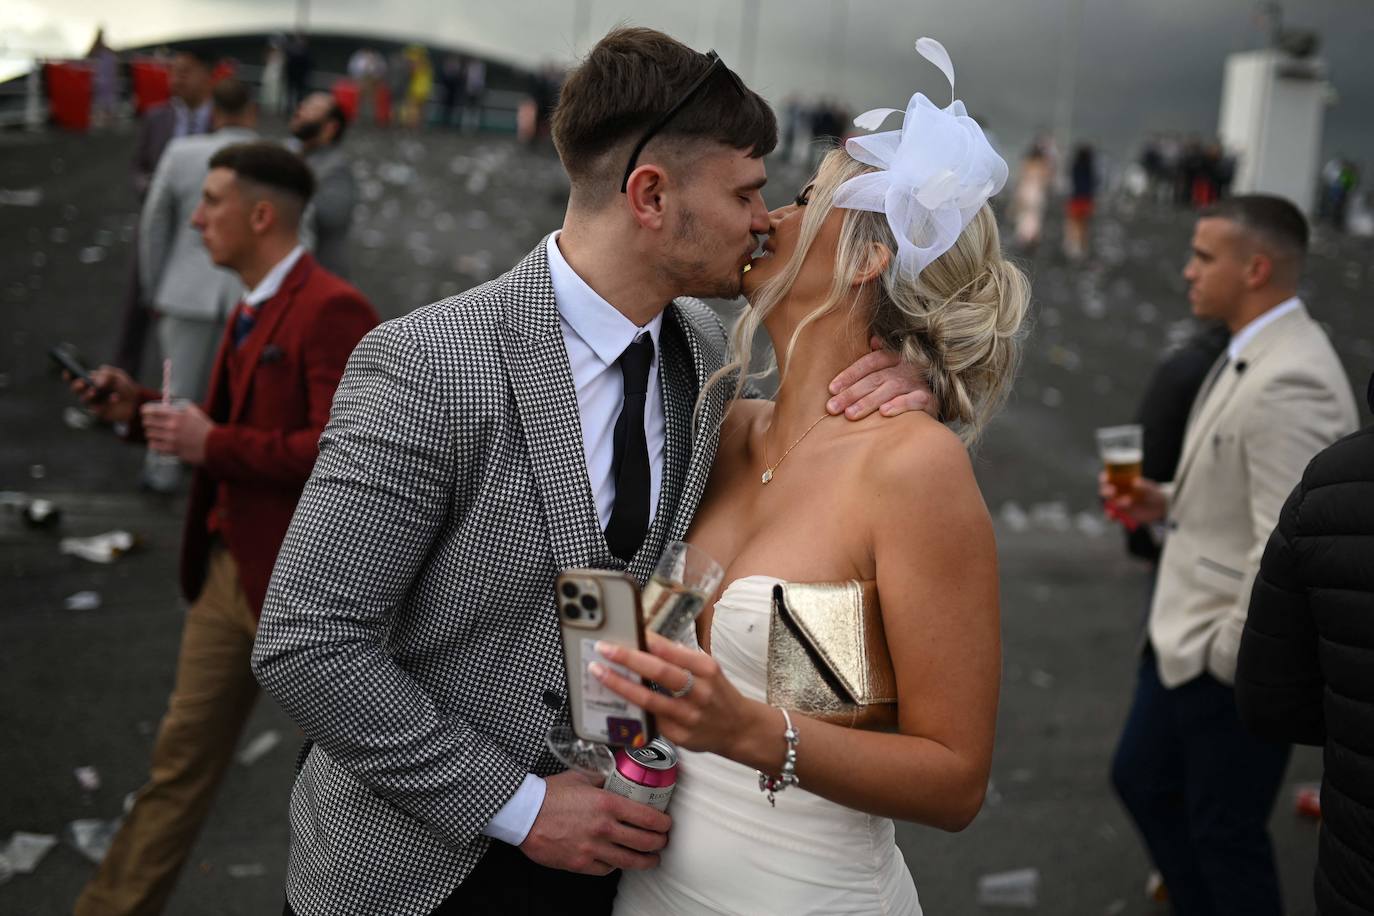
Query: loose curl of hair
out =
(961, 321)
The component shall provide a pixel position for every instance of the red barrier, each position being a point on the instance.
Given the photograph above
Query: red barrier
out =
(69, 94)
(152, 84)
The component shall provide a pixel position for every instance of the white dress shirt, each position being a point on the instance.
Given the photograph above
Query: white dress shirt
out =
(271, 283)
(1241, 338)
(595, 333)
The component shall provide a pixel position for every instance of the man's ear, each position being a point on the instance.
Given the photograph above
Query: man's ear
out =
(644, 195)
(1259, 271)
(879, 257)
(262, 217)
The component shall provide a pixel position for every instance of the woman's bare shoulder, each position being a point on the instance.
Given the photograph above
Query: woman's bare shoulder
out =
(743, 418)
(917, 458)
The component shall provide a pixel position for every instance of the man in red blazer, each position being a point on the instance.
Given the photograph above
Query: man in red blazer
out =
(253, 444)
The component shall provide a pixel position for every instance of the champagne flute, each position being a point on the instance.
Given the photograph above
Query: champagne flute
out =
(684, 580)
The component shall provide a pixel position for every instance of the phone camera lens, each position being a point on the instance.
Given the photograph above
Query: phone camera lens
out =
(589, 602)
(569, 590)
(572, 611)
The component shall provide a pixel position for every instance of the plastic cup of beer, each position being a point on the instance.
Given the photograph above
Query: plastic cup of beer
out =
(684, 580)
(1122, 453)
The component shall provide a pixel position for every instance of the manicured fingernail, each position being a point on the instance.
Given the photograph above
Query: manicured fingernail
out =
(597, 669)
(607, 649)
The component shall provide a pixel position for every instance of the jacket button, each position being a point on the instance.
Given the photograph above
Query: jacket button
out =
(552, 699)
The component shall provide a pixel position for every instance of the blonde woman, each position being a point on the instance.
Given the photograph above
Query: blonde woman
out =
(892, 238)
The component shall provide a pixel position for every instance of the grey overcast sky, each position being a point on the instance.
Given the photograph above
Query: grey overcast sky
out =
(1142, 64)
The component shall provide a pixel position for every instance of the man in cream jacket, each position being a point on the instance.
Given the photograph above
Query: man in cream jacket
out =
(1199, 787)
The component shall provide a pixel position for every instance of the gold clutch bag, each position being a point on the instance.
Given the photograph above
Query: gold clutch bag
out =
(828, 655)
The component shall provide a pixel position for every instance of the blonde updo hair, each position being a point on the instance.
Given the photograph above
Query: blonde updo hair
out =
(960, 321)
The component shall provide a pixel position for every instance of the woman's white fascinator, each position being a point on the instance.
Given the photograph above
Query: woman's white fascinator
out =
(937, 171)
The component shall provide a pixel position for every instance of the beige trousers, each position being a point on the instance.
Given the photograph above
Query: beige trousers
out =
(213, 696)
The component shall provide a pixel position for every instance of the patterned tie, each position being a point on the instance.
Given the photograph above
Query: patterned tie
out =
(244, 320)
(630, 459)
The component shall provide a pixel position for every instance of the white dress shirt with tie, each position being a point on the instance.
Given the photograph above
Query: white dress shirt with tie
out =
(595, 333)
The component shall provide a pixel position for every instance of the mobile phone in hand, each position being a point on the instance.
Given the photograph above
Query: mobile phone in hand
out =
(595, 605)
(77, 369)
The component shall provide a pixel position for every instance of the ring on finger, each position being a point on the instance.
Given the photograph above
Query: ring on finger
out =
(686, 688)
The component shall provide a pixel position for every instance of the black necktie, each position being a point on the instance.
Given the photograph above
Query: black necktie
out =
(630, 460)
(243, 322)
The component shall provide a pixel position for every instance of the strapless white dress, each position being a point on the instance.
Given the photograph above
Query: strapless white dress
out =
(729, 852)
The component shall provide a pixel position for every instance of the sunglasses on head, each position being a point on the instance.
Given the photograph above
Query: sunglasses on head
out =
(716, 64)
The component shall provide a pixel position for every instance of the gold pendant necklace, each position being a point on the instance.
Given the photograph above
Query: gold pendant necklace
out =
(768, 474)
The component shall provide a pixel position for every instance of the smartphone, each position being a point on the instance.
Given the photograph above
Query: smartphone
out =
(593, 605)
(71, 364)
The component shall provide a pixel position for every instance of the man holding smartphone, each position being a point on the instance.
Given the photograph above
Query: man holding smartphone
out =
(252, 445)
(543, 421)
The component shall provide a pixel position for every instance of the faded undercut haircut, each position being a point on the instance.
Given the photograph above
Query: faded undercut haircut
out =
(270, 170)
(630, 78)
(1275, 223)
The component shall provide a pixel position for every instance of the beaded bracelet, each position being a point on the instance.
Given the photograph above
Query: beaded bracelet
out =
(788, 776)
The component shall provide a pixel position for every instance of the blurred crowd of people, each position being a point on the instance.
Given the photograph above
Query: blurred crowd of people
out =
(1186, 170)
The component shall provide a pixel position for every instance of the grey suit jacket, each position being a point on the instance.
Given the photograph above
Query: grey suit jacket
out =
(174, 268)
(331, 209)
(410, 626)
(1249, 437)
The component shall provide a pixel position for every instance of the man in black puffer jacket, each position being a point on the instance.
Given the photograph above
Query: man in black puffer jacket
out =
(1306, 667)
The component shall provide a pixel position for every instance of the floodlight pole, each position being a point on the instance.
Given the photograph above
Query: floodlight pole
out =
(748, 37)
(839, 37)
(1068, 75)
(582, 16)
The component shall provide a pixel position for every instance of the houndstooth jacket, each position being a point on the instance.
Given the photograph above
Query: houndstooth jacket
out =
(410, 626)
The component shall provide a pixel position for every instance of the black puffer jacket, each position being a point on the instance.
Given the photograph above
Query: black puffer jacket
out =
(1306, 669)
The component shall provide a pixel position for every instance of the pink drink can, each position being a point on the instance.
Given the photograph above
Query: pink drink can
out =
(645, 774)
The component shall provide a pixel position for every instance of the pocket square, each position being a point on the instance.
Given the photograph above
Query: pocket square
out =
(271, 354)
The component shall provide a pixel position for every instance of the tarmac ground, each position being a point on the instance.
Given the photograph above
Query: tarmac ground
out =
(442, 212)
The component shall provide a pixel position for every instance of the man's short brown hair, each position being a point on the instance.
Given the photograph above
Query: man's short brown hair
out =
(629, 79)
(231, 97)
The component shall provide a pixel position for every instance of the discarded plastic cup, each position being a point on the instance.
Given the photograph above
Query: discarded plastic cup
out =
(25, 850)
(82, 601)
(101, 548)
(1019, 888)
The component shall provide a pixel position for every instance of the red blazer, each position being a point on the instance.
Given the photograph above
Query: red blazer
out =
(268, 426)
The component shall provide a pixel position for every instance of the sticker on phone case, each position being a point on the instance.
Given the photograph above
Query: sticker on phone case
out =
(610, 716)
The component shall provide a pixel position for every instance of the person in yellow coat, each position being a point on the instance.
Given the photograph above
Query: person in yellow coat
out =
(420, 86)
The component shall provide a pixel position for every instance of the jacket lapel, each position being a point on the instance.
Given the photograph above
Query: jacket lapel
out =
(1206, 415)
(546, 402)
(270, 315)
(703, 358)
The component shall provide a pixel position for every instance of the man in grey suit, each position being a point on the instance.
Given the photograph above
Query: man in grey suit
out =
(1199, 786)
(190, 297)
(549, 419)
(318, 131)
(185, 114)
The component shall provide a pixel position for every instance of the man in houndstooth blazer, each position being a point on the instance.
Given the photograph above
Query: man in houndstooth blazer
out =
(410, 627)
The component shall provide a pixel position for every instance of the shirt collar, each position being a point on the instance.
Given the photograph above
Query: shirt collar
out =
(600, 325)
(270, 285)
(1242, 338)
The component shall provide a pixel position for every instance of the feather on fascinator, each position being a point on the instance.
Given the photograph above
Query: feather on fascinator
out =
(937, 171)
